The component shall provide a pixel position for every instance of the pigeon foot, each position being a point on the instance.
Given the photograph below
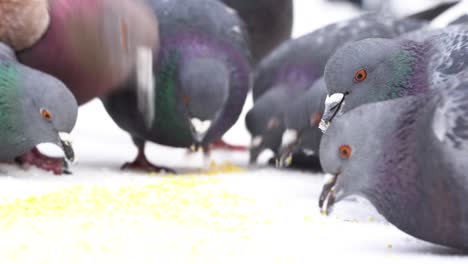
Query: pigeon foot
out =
(141, 163)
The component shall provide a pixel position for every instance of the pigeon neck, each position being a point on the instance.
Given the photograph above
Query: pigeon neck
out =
(418, 61)
(409, 71)
(411, 187)
(9, 95)
(168, 117)
(23, 22)
(202, 77)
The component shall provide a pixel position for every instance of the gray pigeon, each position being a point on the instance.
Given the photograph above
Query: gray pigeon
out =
(408, 157)
(302, 119)
(381, 69)
(269, 23)
(266, 123)
(201, 78)
(298, 63)
(35, 108)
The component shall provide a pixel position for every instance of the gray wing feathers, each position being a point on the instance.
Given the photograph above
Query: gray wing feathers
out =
(450, 122)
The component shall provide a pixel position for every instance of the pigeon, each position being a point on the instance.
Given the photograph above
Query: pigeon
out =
(407, 156)
(265, 123)
(89, 45)
(35, 108)
(269, 23)
(381, 69)
(301, 120)
(201, 79)
(298, 63)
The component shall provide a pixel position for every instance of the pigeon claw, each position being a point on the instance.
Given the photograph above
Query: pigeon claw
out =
(285, 159)
(333, 107)
(142, 164)
(146, 167)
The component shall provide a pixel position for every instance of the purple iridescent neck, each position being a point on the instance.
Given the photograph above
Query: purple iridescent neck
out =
(419, 57)
(412, 187)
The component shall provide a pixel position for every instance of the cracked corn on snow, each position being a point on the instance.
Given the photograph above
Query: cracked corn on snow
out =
(176, 218)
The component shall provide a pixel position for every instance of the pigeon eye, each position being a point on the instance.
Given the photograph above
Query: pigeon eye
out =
(186, 100)
(46, 114)
(345, 152)
(360, 75)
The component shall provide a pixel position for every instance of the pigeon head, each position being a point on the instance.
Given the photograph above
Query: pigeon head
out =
(204, 88)
(265, 123)
(51, 111)
(347, 154)
(360, 158)
(302, 118)
(38, 109)
(23, 22)
(367, 71)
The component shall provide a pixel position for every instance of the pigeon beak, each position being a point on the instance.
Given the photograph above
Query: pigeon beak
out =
(66, 144)
(327, 197)
(288, 144)
(199, 128)
(333, 108)
(255, 148)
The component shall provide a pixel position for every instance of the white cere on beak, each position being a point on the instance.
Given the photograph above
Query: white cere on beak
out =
(329, 178)
(256, 142)
(66, 137)
(290, 136)
(145, 84)
(334, 99)
(331, 102)
(200, 127)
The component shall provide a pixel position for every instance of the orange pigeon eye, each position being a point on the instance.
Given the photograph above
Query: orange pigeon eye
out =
(345, 152)
(360, 75)
(46, 114)
(186, 100)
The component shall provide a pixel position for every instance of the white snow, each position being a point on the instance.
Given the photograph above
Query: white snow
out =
(295, 232)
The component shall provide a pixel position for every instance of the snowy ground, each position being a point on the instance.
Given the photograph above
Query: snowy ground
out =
(227, 213)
